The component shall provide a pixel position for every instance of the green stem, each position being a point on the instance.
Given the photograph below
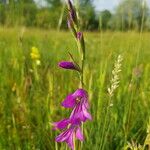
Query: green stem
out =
(61, 17)
(74, 142)
(82, 74)
(103, 136)
(82, 55)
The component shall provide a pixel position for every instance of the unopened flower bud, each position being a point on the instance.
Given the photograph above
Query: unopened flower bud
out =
(68, 65)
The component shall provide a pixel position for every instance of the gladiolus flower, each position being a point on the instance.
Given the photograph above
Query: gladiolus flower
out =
(72, 12)
(72, 15)
(68, 65)
(79, 102)
(79, 36)
(68, 135)
(70, 4)
(61, 124)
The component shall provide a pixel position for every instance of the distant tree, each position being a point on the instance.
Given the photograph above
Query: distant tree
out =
(17, 12)
(4, 1)
(105, 17)
(2, 14)
(147, 23)
(84, 8)
(27, 10)
(87, 14)
(43, 18)
(131, 14)
(56, 13)
(54, 3)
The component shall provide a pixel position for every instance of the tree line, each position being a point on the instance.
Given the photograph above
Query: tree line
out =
(51, 14)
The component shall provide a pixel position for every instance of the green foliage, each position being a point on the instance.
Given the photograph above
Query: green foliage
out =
(18, 12)
(54, 3)
(2, 14)
(87, 15)
(43, 18)
(29, 14)
(105, 17)
(48, 18)
(131, 14)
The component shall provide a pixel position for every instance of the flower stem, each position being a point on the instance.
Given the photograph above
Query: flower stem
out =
(74, 142)
(81, 49)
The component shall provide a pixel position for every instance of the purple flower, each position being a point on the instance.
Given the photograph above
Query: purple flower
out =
(72, 15)
(72, 12)
(79, 36)
(80, 112)
(61, 124)
(70, 24)
(70, 4)
(68, 65)
(79, 102)
(68, 135)
(75, 98)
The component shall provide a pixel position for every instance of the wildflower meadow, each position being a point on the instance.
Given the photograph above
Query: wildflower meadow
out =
(74, 89)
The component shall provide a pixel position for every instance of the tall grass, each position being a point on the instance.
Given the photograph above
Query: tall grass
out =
(29, 106)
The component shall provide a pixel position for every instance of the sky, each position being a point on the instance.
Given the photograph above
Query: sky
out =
(108, 4)
(101, 4)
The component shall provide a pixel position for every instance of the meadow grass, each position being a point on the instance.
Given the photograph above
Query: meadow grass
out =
(28, 105)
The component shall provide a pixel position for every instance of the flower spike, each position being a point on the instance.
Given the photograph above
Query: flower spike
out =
(77, 101)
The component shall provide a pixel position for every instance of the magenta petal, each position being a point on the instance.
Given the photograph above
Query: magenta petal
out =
(80, 113)
(77, 114)
(74, 113)
(68, 65)
(69, 141)
(79, 134)
(86, 103)
(80, 93)
(61, 124)
(86, 113)
(63, 136)
(67, 136)
(75, 122)
(69, 102)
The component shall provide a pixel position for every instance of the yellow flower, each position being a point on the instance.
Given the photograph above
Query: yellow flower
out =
(38, 62)
(34, 53)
